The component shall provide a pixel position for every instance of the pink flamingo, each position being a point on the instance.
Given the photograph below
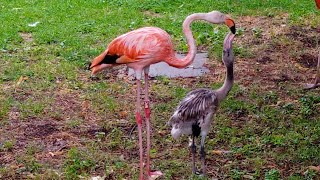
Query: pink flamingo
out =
(139, 49)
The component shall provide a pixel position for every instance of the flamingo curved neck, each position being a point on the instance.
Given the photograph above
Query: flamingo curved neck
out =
(188, 59)
(223, 91)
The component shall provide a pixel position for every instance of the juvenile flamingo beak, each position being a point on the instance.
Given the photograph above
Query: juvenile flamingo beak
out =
(232, 26)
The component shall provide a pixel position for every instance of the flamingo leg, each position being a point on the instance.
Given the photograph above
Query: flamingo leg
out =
(147, 114)
(203, 155)
(193, 151)
(139, 122)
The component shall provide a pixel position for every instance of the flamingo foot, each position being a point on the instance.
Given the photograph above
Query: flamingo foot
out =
(311, 86)
(154, 175)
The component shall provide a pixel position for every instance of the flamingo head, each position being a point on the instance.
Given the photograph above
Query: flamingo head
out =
(227, 56)
(101, 62)
(217, 17)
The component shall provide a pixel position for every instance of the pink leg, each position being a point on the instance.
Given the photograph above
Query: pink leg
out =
(147, 114)
(139, 122)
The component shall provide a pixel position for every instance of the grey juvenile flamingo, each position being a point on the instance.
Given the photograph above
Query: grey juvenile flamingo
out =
(194, 114)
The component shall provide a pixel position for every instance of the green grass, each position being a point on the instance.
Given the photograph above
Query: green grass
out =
(272, 133)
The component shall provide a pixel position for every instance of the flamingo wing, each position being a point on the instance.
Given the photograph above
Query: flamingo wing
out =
(195, 106)
(137, 45)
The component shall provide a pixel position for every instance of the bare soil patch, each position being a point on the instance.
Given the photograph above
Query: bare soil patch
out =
(282, 53)
(308, 60)
(27, 37)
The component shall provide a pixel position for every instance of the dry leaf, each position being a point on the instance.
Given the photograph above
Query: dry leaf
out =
(21, 79)
(85, 105)
(155, 175)
(300, 67)
(58, 153)
(315, 168)
(220, 152)
(162, 132)
(123, 114)
(248, 177)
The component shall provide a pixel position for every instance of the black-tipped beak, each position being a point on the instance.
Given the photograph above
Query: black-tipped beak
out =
(89, 66)
(233, 29)
(232, 26)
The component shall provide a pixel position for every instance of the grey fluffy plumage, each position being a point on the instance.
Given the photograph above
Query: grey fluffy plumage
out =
(194, 107)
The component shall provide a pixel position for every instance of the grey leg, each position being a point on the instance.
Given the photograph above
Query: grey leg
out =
(203, 155)
(193, 151)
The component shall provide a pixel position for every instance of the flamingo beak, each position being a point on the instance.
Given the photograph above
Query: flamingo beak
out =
(230, 23)
(96, 64)
(93, 69)
(98, 68)
(89, 66)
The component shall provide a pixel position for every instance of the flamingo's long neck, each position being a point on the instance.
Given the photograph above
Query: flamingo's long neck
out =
(188, 59)
(223, 91)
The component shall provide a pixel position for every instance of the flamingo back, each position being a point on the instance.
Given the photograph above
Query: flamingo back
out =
(195, 106)
(144, 43)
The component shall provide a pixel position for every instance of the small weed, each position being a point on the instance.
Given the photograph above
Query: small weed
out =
(295, 176)
(243, 52)
(7, 145)
(32, 149)
(272, 174)
(310, 174)
(7, 172)
(288, 108)
(77, 164)
(163, 79)
(5, 104)
(50, 174)
(270, 98)
(162, 107)
(257, 32)
(240, 31)
(180, 92)
(307, 105)
(236, 174)
(30, 164)
(31, 108)
(74, 123)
